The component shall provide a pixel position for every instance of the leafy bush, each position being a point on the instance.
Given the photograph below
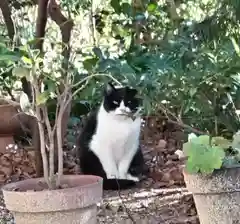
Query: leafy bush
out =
(182, 56)
(7, 59)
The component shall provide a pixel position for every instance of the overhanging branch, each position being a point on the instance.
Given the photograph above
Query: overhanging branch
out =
(65, 26)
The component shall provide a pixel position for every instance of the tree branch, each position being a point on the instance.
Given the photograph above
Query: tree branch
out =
(6, 11)
(40, 33)
(65, 26)
(41, 23)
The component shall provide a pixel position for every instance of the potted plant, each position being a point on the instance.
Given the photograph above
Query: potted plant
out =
(56, 198)
(212, 174)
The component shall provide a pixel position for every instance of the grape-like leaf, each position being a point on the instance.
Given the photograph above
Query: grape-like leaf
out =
(192, 138)
(202, 139)
(204, 158)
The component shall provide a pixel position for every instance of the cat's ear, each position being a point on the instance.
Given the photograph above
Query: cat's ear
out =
(109, 88)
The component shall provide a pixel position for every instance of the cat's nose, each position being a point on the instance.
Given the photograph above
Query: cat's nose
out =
(125, 110)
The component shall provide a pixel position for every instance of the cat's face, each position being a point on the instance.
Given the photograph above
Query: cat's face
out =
(120, 100)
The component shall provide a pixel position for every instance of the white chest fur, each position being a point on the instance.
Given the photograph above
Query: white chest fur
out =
(115, 142)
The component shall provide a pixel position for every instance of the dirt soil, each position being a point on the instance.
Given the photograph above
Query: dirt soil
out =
(160, 198)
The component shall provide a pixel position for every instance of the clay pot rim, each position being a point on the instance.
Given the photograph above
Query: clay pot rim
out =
(185, 172)
(79, 196)
(6, 104)
(11, 186)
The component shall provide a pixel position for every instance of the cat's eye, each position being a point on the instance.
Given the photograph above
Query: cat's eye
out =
(115, 102)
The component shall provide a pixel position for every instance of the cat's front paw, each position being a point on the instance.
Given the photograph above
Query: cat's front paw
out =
(123, 176)
(130, 177)
(122, 171)
(112, 175)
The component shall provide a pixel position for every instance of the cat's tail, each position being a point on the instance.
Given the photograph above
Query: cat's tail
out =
(118, 184)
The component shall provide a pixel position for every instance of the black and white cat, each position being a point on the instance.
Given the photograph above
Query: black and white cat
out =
(109, 142)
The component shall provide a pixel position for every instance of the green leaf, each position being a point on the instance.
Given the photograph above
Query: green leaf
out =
(191, 167)
(116, 6)
(51, 87)
(151, 7)
(90, 63)
(21, 72)
(202, 157)
(26, 60)
(126, 8)
(9, 57)
(202, 139)
(97, 51)
(192, 91)
(42, 98)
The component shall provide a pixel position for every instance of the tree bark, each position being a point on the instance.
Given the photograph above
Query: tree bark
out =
(41, 23)
(6, 11)
(66, 26)
(40, 33)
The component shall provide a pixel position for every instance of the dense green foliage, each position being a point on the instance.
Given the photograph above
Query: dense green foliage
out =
(182, 55)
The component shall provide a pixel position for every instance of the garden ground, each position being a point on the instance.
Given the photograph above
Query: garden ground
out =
(160, 198)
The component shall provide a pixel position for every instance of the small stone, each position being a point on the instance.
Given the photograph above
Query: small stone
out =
(161, 144)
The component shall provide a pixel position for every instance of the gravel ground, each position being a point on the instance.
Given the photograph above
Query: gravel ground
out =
(150, 206)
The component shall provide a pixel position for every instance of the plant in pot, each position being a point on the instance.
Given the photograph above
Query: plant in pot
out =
(212, 174)
(56, 198)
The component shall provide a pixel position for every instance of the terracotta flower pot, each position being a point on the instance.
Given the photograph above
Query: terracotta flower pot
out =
(74, 204)
(216, 196)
